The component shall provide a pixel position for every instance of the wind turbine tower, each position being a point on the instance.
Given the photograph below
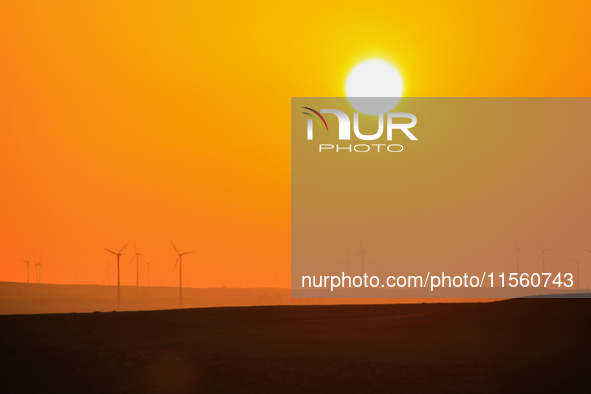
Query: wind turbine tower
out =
(28, 276)
(179, 261)
(362, 252)
(118, 254)
(349, 263)
(577, 261)
(517, 252)
(543, 256)
(137, 264)
(148, 266)
(378, 264)
(39, 267)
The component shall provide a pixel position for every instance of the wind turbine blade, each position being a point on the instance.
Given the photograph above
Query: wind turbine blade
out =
(177, 251)
(131, 261)
(176, 262)
(134, 249)
(110, 251)
(186, 253)
(124, 247)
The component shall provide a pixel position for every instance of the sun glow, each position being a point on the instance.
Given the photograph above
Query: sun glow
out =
(374, 87)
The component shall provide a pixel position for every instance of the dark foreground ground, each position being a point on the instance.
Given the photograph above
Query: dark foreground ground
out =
(518, 346)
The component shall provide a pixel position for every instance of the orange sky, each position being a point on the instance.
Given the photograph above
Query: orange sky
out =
(151, 121)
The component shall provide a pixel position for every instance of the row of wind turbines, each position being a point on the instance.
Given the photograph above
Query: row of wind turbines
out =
(136, 256)
(38, 268)
(542, 256)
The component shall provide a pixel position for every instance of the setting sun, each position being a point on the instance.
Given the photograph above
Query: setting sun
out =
(374, 79)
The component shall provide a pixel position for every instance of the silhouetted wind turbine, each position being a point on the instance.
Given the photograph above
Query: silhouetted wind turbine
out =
(118, 254)
(137, 264)
(543, 256)
(148, 265)
(517, 251)
(378, 265)
(179, 261)
(349, 263)
(577, 261)
(28, 276)
(362, 251)
(39, 268)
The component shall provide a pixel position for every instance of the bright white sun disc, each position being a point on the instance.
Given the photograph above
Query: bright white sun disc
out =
(374, 87)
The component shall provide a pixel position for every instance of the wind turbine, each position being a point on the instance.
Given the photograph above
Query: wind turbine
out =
(28, 276)
(39, 268)
(543, 256)
(118, 254)
(148, 265)
(179, 261)
(517, 252)
(378, 265)
(349, 263)
(577, 261)
(362, 251)
(137, 264)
